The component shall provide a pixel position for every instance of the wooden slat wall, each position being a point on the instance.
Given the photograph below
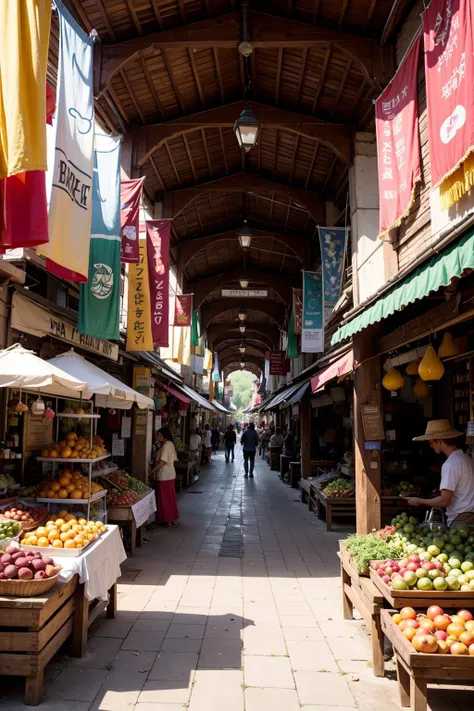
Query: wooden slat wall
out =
(415, 233)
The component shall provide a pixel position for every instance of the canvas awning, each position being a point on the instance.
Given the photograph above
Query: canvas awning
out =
(99, 382)
(193, 395)
(298, 393)
(220, 407)
(340, 367)
(431, 276)
(176, 393)
(20, 368)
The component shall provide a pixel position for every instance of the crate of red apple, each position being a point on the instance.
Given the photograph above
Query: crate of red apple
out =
(418, 574)
(436, 631)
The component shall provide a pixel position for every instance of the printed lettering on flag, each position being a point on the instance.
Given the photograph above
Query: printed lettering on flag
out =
(449, 63)
(398, 143)
(158, 247)
(139, 336)
(298, 308)
(312, 334)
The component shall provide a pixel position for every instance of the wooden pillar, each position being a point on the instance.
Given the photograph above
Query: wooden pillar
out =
(367, 390)
(305, 423)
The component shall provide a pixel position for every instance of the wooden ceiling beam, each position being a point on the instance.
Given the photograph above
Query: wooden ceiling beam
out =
(224, 155)
(75, 7)
(106, 20)
(191, 162)
(218, 74)
(313, 159)
(151, 86)
(134, 17)
(169, 69)
(304, 55)
(278, 75)
(246, 182)
(267, 32)
(335, 136)
(208, 160)
(274, 310)
(173, 164)
(272, 333)
(342, 13)
(130, 90)
(314, 16)
(342, 84)
(196, 76)
(182, 10)
(321, 79)
(300, 246)
(157, 173)
(156, 10)
(204, 286)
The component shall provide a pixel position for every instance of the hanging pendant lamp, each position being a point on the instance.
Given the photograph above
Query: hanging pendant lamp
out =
(393, 380)
(448, 347)
(421, 389)
(431, 367)
(412, 367)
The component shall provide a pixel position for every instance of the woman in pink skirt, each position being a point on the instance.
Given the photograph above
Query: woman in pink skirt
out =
(164, 475)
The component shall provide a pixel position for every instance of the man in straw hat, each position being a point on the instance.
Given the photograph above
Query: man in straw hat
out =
(457, 474)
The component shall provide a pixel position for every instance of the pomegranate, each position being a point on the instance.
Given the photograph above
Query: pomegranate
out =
(441, 622)
(409, 633)
(434, 611)
(427, 644)
(443, 647)
(466, 615)
(466, 638)
(458, 648)
(471, 650)
(408, 613)
(455, 630)
(441, 635)
(428, 624)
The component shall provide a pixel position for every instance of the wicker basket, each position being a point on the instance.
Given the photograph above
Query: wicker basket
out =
(29, 525)
(27, 588)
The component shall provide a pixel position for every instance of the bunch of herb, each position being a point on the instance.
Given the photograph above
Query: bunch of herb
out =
(365, 548)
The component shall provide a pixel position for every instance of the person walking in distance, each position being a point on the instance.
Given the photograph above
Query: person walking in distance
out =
(208, 442)
(249, 442)
(230, 438)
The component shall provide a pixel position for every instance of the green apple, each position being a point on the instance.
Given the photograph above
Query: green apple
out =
(453, 583)
(442, 557)
(425, 584)
(454, 563)
(440, 583)
(467, 565)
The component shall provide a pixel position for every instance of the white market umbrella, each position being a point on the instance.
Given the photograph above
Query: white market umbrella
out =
(99, 382)
(20, 368)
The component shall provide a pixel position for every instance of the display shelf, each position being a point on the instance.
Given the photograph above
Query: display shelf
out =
(77, 417)
(71, 460)
(105, 472)
(90, 500)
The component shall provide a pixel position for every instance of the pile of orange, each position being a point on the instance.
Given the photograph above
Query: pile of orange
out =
(69, 484)
(64, 531)
(74, 447)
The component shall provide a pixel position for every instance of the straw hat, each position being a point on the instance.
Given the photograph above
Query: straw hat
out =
(438, 429)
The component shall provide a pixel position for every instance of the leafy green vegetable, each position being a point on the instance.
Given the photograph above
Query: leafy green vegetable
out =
(365, 548)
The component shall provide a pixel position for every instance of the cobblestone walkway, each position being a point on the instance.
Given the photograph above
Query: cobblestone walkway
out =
(236, 609)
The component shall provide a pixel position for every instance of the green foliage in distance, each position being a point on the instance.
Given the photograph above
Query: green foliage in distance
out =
(242, 386)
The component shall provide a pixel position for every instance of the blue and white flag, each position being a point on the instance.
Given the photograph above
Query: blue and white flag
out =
(216, 376)
(70, 207)
(99, 302)
(333, 241)
(312, 323)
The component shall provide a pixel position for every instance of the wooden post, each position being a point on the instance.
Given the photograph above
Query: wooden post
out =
(367, 390)
(305, 423)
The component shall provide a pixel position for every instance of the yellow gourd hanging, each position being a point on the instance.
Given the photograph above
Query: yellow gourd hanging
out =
(430, 368)
(393, 380)
(421, 389)
(412, 367)
(448, 347)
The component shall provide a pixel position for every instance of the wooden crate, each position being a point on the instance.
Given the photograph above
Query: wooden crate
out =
(329, 506)
(415, 669)
(305, 491)
(31, 632)
(421, 598)
(360, 593)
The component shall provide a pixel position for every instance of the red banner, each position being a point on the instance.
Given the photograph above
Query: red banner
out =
(183, 309)
(298, 308)
(448, 28)
(130, 194)
(398, 142)
(279, 364)
(158, 249)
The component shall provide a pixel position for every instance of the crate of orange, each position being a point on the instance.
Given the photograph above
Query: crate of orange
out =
(69, 484)
(66, 533)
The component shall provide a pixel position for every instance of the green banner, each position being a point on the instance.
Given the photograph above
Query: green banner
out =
(99, 301)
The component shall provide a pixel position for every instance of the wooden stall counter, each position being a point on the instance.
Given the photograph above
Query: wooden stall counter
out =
(134, 517)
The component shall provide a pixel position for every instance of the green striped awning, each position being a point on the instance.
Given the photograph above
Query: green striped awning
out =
(433, 275)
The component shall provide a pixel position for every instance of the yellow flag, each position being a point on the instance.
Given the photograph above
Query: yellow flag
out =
(139, 336)
(24, 41)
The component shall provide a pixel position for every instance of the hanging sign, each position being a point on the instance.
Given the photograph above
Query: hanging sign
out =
(130, 194)
(99, 301)
(279, 364)
(139, 336)
(70, 207)
(245, 293)
(398, 142)
(312, 333)
(126, 428)
(158, 247)
(333, 242)
(449, 66)
(298, 308)
(183, 309)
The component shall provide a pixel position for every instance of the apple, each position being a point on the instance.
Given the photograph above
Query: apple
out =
(458, 648)
(434, 611)
(441, 634)
(465, 615)
(424, 584)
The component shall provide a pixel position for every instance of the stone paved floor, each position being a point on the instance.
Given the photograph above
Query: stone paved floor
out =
(202, 631)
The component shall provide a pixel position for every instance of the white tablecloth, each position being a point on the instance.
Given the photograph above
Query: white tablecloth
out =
(98, 567)
(144, 508)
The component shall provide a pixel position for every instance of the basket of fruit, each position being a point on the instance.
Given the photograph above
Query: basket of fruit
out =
(66, 533)
(29, 517)
(9, 531)
(26, 574)
(339, 487)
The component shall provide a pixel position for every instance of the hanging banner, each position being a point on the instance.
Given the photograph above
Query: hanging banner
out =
(70, 207)
(216, 376)
(312, 334)
(398, 143)
(158, 248)
(333, 242)
(449, 65)
(130, 194)
(298, 308)
(139, 336)
(99, 301)
(183, 309)
(195, 333)
(279, 364)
